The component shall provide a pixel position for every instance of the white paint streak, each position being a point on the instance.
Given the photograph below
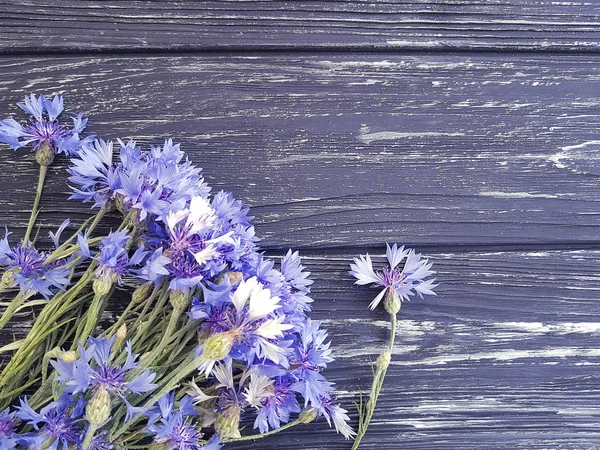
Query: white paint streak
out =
(555, 328)
(498, 194)
(505, 355)
(368, 138)
(578, 151)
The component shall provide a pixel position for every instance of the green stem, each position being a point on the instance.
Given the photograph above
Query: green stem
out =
(13, 306)
(173, 319)
(366, 411)
(36, 202)
(252, 437)
(91, 318)
(89, 435)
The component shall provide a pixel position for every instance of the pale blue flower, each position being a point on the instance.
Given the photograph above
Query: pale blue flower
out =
(405, 281)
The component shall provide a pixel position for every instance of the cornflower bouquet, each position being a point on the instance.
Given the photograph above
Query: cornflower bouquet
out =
(214, 337)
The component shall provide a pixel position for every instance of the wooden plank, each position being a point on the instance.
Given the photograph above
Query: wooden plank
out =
(453, 151)
(509, 25)
(506, 356)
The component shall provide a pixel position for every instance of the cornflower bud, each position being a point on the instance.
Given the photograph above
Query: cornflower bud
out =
(8, 278)
(103, 283)
(179, 300)
(218, 346)
(383, 361)
(69, 356)
(122, 332)
(307, 415)
(227, 424)
(392, 302)
(97, 410)
(142, 292)
(120, 335)
(44, 155)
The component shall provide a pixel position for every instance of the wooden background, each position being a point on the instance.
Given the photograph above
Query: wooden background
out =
(467, 129)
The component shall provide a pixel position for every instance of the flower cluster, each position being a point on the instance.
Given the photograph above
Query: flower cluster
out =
(238, 328)
(151, 182)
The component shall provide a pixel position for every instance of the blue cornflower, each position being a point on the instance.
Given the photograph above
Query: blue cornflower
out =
(8, 430)
(57, 424)
(93, 171)
(193, 247)
(276, 407)
(250, 321)
(26, 267)
(176, 428)
(232, 217)
(44, 127)
(311, 351)
(295, 289)
(113, 259)
(401, 282)
(94, 371)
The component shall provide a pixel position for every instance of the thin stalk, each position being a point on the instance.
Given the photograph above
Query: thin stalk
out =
(366, 411)
(252, 437)
(13, 306)
(36, 202)
(95, 220)
(89, 435)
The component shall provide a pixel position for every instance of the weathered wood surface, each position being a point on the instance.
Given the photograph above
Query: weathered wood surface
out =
(439, 150)
(508, 25)
(488, 162)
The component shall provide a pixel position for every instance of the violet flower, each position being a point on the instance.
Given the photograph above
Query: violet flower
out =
(57, 424)
(403, 282)
(152, 182)
(95, 371)
(44, 127)
(175, 427)
(9, 438)
(26, 267)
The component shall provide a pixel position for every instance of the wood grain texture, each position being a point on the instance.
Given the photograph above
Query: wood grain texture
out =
(507, 25)
(506, 356)
(488, 162)
(334, 151)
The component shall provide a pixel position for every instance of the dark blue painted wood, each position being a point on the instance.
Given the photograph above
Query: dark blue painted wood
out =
(477, 25)
(488, 162)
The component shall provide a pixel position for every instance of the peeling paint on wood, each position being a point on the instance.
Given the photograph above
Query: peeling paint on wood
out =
(486, 161)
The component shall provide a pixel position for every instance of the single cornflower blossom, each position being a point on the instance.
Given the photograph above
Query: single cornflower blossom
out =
(249, 319)
(57, 424)
(44, 131)
(94, 172)
(95, 372)
(191, 246)
(405, 276)
(401, 282)
(26, 267)
(175, 428)
(113, 259)
(277, 401)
